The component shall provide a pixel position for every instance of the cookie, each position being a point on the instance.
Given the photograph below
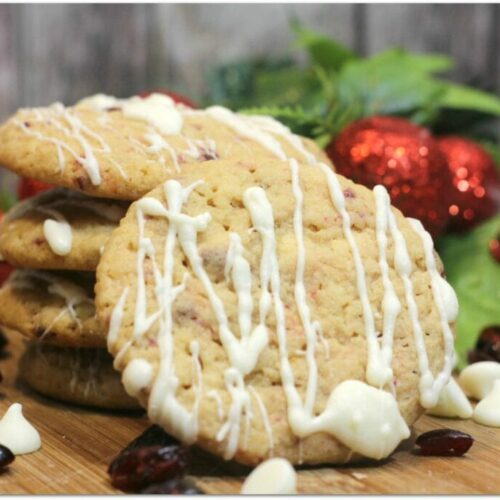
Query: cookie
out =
(122, 149)
(59, 229)
(81, 376)
(55, 307)
(262, 308)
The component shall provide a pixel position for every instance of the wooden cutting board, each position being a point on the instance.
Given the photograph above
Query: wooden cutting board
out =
(79, 443)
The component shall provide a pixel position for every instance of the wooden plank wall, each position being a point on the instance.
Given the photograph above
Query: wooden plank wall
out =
(64, 52)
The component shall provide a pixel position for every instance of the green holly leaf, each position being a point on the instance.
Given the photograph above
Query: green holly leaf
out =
(304, 122)
(393, 82)
(323, 51)
(261, 83)
(418, 63)
(475, 276)
(462, 97)
(286, 87)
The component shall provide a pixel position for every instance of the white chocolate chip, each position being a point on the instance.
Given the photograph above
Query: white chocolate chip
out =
(353, 420)
(275, 476)
(487, 411)
(137, 376)
(477, 379)
(452, 403)
(98, 102)
(58, 235)
(16, 433)
(157, 109)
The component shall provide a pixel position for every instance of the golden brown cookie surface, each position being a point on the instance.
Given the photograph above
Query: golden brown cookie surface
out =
(122, 148)
(59, 229)
(80, 376)
(240, 295)
(55, 307)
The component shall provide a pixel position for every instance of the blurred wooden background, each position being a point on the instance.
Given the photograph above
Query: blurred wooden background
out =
(64, 52)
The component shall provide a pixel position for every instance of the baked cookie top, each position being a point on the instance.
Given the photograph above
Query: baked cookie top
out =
(53, 307)
(59, 229)
(266, 307)
(123, 148)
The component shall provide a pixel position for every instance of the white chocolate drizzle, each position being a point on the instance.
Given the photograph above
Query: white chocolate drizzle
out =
(71, 293)
(164, 117)
(391, 306)
(377, 373)
(240, 404)
(71, 126)
(447, 305)
(265, 419)
(311, 328)
(56, 229)
(214, 394)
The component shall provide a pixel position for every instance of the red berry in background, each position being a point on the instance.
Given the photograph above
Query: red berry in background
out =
(178, 98)
(30, 187)
(475, 181)
(403, 157)
(494, 247)
(5, 270)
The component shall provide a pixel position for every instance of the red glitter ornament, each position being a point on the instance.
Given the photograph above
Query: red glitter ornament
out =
(30, 187)
(404, 158)
(475, 180)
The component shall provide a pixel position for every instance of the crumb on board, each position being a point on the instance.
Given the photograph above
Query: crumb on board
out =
(359, 475)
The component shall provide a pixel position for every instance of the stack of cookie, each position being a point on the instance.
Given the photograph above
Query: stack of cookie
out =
(256, 303)
(101, 154)
(54, 240)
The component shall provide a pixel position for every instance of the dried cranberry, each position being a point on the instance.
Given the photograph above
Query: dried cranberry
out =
(152, 436)
(6, 456)
(172, 487)
(140, 467)
(444, 442)
(487, 346)
(3, 341)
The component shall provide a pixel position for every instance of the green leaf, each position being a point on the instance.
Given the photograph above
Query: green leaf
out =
(392, 82)
(323, 51)
(421, 63)
(463, 97)
(7, 200)
(257, 83)
(285, 87)
(300, 121)
(475, 276)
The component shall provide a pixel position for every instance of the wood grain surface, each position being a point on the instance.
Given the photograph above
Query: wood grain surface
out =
(79, 443)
